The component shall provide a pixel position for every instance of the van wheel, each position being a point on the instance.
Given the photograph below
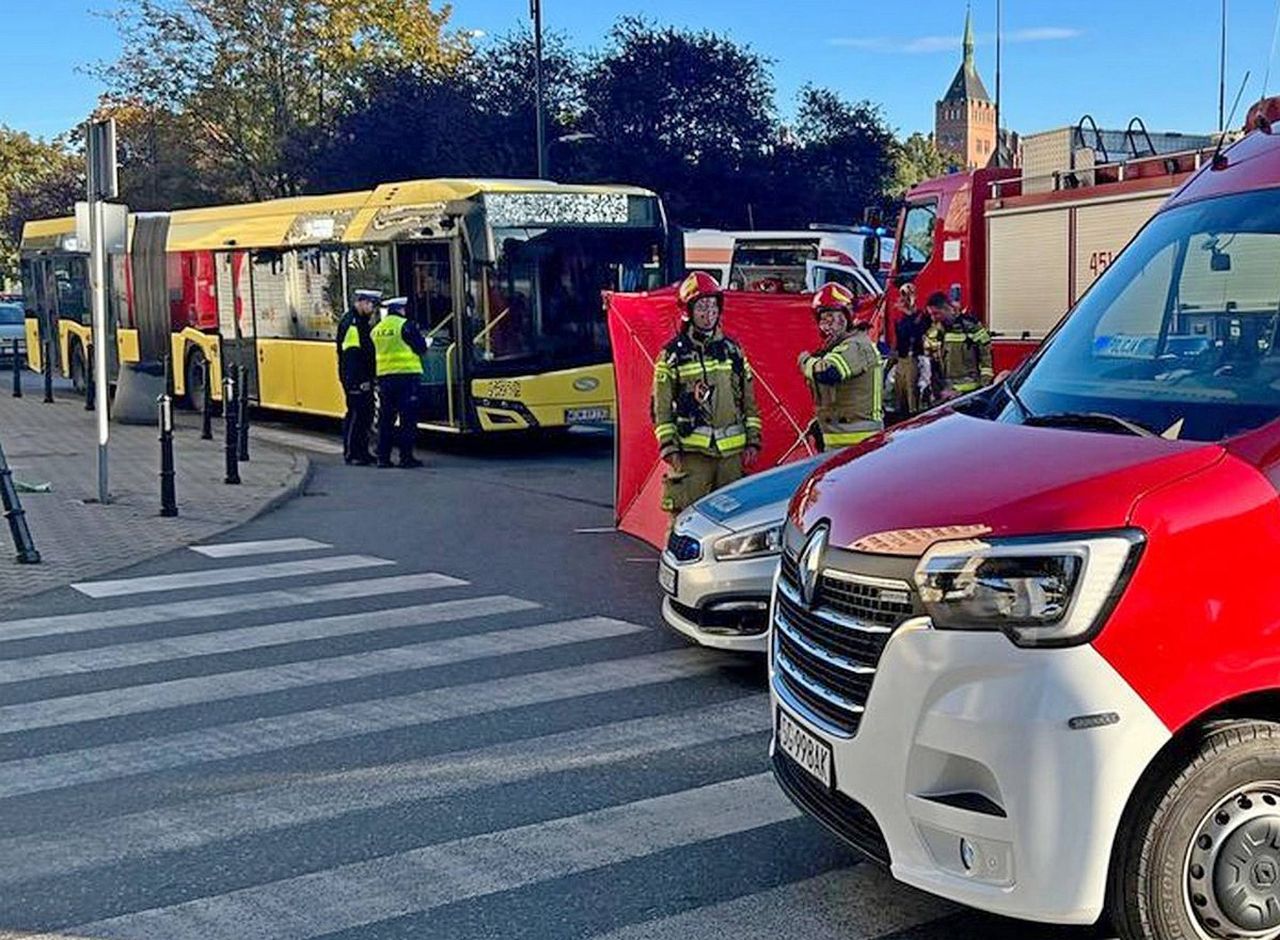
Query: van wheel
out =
(1199, 856)
(195, 377)
(78, 367)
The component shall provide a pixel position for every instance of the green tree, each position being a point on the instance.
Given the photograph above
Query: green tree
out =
(38, 179)
(917, 159)
(252, 76)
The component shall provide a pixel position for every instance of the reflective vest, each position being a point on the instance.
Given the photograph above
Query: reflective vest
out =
(851, 410)
(962, 350)
(704, 398)
(394, 355)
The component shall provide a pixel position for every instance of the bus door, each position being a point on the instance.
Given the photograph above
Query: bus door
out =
(235, 314)
(426, 276)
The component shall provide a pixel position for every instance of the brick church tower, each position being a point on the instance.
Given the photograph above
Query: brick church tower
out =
(965, 118)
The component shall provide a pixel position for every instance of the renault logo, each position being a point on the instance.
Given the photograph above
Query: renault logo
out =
(588, 383)
(811, 561)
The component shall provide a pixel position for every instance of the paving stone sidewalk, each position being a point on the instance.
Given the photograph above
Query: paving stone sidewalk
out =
(78, 538)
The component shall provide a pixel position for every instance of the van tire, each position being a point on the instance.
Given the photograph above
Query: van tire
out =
(1162, 882)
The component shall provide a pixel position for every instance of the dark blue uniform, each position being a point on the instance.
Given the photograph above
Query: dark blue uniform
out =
(356, 372)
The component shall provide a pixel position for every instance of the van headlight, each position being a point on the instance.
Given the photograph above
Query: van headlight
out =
(1039, 591)
(766, 540)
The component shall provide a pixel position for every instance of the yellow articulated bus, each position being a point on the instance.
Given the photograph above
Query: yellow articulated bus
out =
(503, 276)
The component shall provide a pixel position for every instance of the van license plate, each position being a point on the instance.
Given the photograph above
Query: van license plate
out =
(668, 578)
(811, 753)
(585, 415)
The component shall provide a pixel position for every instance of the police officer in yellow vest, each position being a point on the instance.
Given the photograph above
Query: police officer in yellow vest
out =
(846, 375)
(356, 372)
(399, 347)
(960, 347)
(704, 403)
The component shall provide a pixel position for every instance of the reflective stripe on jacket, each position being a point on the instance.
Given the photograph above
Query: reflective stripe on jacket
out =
(704, 398)
(963, 351)
(394, 354)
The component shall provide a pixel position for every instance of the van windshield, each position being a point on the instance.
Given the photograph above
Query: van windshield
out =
(1181, 336)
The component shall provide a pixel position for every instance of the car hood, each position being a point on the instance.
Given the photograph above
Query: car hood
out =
(758, 499)
(986, 477)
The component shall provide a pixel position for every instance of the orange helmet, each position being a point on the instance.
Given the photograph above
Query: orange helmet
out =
(696, 285)
(833, 296)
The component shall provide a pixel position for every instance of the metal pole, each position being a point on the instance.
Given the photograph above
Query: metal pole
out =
(17, 372)
(1222, 74)
(168, 496)
(206, 415)
(242, 418)
(48, 370)
(89, 387)
(999, 153)
(23, 545)
(535, 10)
(229, 420)
(99, 283)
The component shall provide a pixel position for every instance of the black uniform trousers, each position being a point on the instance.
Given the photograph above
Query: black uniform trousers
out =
(357, 423)
(398, 414)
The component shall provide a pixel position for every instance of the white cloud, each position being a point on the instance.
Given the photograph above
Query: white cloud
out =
(916, 45)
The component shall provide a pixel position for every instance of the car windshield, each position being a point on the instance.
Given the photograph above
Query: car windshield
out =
(11, 315)
(542, 307)
(1180, 335)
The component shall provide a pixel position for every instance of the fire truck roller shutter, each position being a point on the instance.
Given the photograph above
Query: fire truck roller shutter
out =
(1027, 277)
(1102, 229)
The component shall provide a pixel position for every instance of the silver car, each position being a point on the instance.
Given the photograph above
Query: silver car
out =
(717, 569)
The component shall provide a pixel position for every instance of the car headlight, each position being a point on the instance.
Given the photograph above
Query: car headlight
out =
(753, 543)
(1039, 591)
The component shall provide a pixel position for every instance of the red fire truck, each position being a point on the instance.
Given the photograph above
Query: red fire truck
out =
(1025, 648)
(1019, 251)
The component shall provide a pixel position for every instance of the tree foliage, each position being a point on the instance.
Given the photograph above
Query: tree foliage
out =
(918, 158)
(38, 179)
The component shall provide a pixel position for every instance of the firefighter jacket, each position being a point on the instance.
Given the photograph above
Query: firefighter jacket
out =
(356, 359)
(847, 381)
(399, 346)
(704, 399)
(962, 350)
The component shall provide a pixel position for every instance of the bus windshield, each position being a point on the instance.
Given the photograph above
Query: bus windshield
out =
(1180, 335)
(541, 306)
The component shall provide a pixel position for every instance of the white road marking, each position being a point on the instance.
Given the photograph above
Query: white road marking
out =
(264, 547)
(848, 904)
(355, 719)
(431, 877)
(211, 607)
(311, 799)
(197, 690)
(217, 576)
(271, 634)
(597, 530)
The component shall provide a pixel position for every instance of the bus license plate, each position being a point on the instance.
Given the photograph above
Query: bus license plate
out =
(585, 415)
(811, 753)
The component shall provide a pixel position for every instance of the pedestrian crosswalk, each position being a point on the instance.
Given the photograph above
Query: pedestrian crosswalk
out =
(364, 750)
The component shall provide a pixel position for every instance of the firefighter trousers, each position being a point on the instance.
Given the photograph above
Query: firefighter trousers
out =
(906, 390)
(698, 475)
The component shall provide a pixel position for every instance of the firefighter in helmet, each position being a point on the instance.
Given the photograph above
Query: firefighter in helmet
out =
(704, 403)
(846, 374)
(960, 348)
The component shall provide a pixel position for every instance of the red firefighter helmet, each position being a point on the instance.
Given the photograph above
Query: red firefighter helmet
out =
(697, 285)
(833, 296)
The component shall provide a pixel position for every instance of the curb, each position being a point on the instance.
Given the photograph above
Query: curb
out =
(290, 492)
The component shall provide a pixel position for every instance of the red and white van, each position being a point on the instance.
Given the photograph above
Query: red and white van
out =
(1026, 647)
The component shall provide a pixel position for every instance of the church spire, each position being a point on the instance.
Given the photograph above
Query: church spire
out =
(968, 39)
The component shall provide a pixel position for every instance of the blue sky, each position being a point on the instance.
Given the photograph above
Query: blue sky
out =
(1112, 60)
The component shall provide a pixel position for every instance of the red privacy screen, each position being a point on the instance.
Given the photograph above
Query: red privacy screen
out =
(773, 330)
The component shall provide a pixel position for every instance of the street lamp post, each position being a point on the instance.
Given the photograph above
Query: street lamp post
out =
(535, 11)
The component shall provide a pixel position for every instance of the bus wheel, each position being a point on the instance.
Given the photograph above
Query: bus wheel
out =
(195, 375)
(1200, 856)
(78, 367)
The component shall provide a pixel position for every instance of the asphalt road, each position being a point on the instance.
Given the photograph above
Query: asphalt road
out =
(428, 706)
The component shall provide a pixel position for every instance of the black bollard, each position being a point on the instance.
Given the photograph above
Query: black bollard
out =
(17, 371)
(48, 370)
(242, 419)
(206, 412)
(229, 406)
(22, 542)
(89, 374)
(168, 495)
